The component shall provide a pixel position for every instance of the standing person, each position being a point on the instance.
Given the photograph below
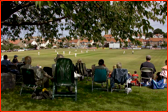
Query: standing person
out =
(41, 77)
(15, 60)
(149, 65)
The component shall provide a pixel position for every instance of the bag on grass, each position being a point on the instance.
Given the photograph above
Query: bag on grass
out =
(41, 95)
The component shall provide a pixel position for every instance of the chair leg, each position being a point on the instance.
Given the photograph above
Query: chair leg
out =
(21, 90)
(53, 91)
(76, 90)
(107, 85)
(111, 90)
(92, 86)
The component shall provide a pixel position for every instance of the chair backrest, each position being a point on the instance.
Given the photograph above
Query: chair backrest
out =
(4, 69)
(119, 75)
(64, 72)
(80, 67)
(48, 70)
(28, 76)
(100, 75)
(146, 69)
(13, 67)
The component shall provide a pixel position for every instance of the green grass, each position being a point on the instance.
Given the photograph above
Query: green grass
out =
(140, 99)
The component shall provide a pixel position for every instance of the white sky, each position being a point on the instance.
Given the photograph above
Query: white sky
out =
(155, 25)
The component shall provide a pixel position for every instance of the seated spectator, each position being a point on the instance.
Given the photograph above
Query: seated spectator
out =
(118, 65)
(81, 69)
(54, 65)
(149, 65)
(41, 77)
(6, 61)
(135, 76)
(101, 65)
(15, 60)
(163, 73)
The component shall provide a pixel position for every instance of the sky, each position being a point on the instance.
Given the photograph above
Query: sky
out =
(155, 25)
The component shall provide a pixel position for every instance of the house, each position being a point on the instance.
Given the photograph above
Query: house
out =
(156, 41)
(158, 36)
(17, 42)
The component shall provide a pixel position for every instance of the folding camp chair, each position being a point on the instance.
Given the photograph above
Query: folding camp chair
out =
(100, 76)
(120, 76)
(64, 76)
(145, 70)
(14, 69)
(81, 69)
(4, 69)
(28, 79)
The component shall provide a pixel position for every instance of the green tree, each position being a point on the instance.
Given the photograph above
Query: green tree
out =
(149, 35)
(49, 46)
(165, 35)
(158, 31)
(82, 18)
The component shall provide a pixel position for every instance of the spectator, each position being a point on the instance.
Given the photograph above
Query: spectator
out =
(118, 65)
(163, 73)
(41, 76)
(101, 65)
(54, 65)
(15, 60)
(6, 61)
(149, 65)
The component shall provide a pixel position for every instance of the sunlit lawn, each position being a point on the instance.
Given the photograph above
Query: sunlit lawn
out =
(140, 99)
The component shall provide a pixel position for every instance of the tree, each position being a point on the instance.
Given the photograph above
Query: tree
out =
(82, 18)
(158, 31)
(165, 35)
(149, 35)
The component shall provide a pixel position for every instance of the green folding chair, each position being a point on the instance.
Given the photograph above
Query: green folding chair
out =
(64, 76)
(100, 76)
(28, 79)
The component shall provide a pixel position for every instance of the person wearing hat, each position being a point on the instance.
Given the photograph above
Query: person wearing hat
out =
(15, 60)
(149, 65)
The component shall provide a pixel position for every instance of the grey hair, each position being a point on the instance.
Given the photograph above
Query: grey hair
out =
(58, 56)
(119, 65)
(148, 57)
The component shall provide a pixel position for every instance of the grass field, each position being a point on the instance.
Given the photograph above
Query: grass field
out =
(140, 99)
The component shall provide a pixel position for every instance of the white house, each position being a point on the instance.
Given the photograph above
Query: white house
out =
(158, 36)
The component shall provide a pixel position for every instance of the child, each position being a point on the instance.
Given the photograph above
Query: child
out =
(135, 78)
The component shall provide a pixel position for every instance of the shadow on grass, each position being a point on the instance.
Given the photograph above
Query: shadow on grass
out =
(139, 99)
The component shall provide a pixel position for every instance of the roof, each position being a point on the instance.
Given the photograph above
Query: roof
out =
(14, 42)
(107, 36)
(73, 41)
(157, 39)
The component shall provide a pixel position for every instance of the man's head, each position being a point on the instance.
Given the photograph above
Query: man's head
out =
(148, 58)
(58, 56)
(28, 60)
(5, 57)
(135, 72)
(119, 65)
(79, 61)
(15, 56)
(101, 62)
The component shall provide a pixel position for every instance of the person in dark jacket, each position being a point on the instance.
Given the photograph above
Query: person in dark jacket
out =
(149, 65)
(15, 60)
